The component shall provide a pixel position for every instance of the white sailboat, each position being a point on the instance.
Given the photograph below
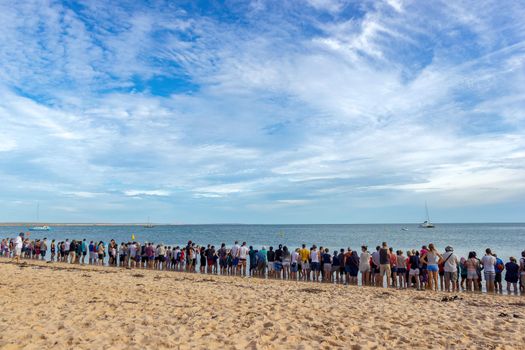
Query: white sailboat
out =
(149, 224)
(39, 228)
(426, 223)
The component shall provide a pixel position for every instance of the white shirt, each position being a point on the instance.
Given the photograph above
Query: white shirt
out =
(364, 260)
(295, 257)
(132, 250)
(18, 242)
(451, 263)
(235, 250)
(488, 262)
(243, 252)
(314, 256)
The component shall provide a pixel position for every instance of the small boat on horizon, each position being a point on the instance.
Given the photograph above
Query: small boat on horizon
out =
(149, 224)
(40, 228)
(427, 223)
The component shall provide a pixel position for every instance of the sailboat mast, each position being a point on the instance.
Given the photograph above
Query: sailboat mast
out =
(426, 210)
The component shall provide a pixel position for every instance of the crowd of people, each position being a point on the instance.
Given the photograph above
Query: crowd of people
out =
(424, 268)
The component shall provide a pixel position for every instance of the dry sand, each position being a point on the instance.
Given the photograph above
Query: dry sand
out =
(61, 306)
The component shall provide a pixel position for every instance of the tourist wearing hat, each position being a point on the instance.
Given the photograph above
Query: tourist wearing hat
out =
(450, 262)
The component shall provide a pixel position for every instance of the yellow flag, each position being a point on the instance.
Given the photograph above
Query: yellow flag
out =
(132, 237)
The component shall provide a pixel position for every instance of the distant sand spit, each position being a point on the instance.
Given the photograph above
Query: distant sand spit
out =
(61, 306)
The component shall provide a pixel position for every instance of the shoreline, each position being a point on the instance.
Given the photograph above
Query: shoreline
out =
(56, 265)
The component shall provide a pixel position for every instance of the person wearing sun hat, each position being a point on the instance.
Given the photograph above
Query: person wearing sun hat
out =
(450, 262)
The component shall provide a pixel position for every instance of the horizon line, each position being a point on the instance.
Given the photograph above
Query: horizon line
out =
(7, 224)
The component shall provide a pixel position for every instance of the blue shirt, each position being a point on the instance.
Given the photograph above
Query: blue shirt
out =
(262, 255)
(499, 262)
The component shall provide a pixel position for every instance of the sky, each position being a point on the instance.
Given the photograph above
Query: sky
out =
(318, 111)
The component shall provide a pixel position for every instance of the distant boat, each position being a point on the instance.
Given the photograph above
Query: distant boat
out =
(39, 228)
(427, 223)
(149, 224)
(404, 229)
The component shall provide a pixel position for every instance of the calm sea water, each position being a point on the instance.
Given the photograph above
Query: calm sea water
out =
(505, 239)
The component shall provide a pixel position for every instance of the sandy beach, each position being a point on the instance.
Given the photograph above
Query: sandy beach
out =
(63, 306)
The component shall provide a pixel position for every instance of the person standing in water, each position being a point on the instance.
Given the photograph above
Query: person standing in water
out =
(364, 266)
(19, 243)
(450, 268)
(384, 265)
(489, 265)
(431, 259)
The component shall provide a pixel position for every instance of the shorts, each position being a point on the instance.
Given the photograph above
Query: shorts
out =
(433, 268)
(401, 271)
(84, 253)
(286, 264)
(211, 262)
(101, 256)
(511, 279)
(394, 269)
(315, 266)
(364, 268)
(235, 261)
(278, 266)
(242, 262)
(294, 267)
(305, 266)
(223, 262)
(384, 269)
(451, 276)
(271, 266)
(498, 277)
(43, 254)
(490, 276)
(413, 272)
(472, 275)
(18, 251)
(261, 265)
(353, 271)
(327, 267)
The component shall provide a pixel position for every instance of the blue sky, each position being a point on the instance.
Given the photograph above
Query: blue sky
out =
(312, 111)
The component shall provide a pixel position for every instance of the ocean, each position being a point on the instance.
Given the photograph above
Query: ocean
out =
(507, 239)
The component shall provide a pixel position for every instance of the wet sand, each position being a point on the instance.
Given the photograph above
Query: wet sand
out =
(61, 306)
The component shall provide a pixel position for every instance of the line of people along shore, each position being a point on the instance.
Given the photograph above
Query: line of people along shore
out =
(421, 269)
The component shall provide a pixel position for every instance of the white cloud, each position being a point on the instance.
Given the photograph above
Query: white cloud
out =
(138, 193)
(294, 201)
(83, 194)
